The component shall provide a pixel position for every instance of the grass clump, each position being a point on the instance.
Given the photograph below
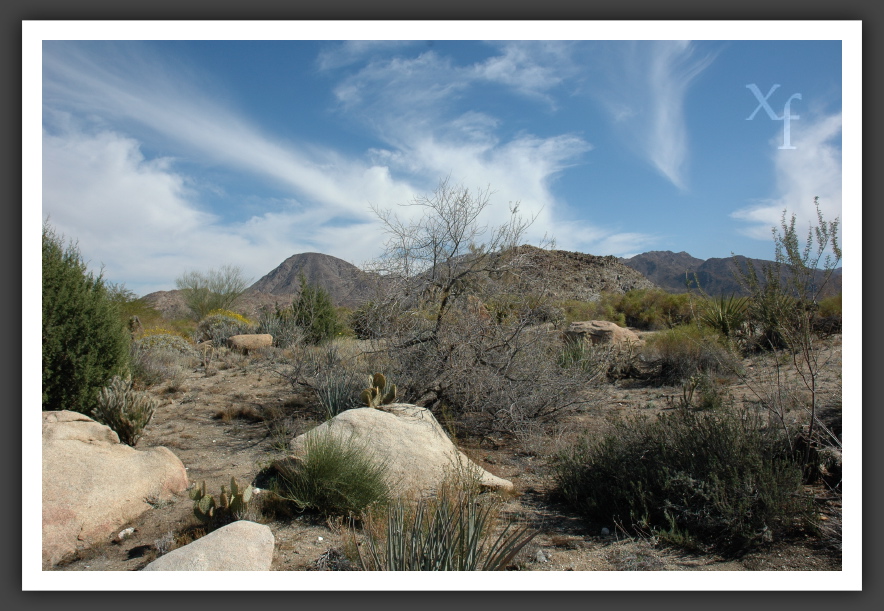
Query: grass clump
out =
(336, 474)
(447, 533)
(711, 478)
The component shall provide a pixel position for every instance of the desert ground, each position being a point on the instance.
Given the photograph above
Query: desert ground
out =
(233, 418)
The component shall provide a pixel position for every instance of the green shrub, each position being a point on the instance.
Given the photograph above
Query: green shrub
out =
(315, 313)
(219, 325)
(685, 351)
(336, 475)
(651, 309)
(831, 306)
(717, 478)
(443, 534)
(125, 410)
(214, 290)
(85, 343)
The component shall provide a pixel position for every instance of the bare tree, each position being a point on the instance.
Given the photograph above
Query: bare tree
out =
(459, 313)
(214, 290)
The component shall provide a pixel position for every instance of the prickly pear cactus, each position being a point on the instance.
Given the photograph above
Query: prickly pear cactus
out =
(231, 505)
(377, 394)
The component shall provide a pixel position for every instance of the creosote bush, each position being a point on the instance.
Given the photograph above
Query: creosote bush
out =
(213, 290)
(685, 351)
(336, 475)
(718, 478)
(85, 342)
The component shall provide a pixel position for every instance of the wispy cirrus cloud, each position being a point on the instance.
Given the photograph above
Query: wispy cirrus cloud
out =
(643, 87)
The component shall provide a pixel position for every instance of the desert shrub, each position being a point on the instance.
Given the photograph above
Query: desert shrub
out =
(160, 355)
(219, 325)
(125, 410)
(442, 534)
(717, 478)
(336, 474)
(682, 352)
(315, 313)
(600, 362)
(282, 326)
(601, 309)
(85, 343)
(830, 306)
(652, 308)
(213, 290)
(337, 384)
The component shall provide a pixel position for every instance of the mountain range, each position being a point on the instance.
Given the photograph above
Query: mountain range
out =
(568, 275)
(670, 271)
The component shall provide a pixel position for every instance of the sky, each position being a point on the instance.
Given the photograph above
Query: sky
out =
(163, 156)
(165, 147)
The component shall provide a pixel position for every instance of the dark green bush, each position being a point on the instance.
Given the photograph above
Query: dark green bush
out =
(336, 475)
(717, 478)
(315, 313)
(85, 342)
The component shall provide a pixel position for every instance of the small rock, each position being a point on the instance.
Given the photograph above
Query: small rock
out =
(124, 534)
(540, 556)
(605, 532)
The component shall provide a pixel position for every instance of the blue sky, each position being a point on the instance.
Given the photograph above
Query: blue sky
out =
(170, 155)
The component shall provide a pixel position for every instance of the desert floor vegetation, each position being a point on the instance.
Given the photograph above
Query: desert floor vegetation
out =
(712, 442)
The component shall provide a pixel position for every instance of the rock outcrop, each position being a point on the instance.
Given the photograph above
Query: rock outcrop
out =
(600, 332)
(418, 452)
(93, 484)
(240, 546)
(250, 341)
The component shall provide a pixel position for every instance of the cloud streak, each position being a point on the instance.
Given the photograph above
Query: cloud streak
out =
(643, 88)
(811, 169)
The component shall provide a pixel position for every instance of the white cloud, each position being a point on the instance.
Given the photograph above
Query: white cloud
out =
(148, 219)
(811, 169)
(643, 87)
(140, 218)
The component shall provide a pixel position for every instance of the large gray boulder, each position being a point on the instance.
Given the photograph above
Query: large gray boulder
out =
(600, 332)
(93, 484)
(418, 452)
(240, 546)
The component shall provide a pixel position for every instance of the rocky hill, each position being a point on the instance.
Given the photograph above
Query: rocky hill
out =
(346, 284)
(576, 275)
(668, 270)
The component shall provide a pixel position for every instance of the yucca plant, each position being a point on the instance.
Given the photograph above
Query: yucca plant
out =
(443, 535)
(725, 314)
